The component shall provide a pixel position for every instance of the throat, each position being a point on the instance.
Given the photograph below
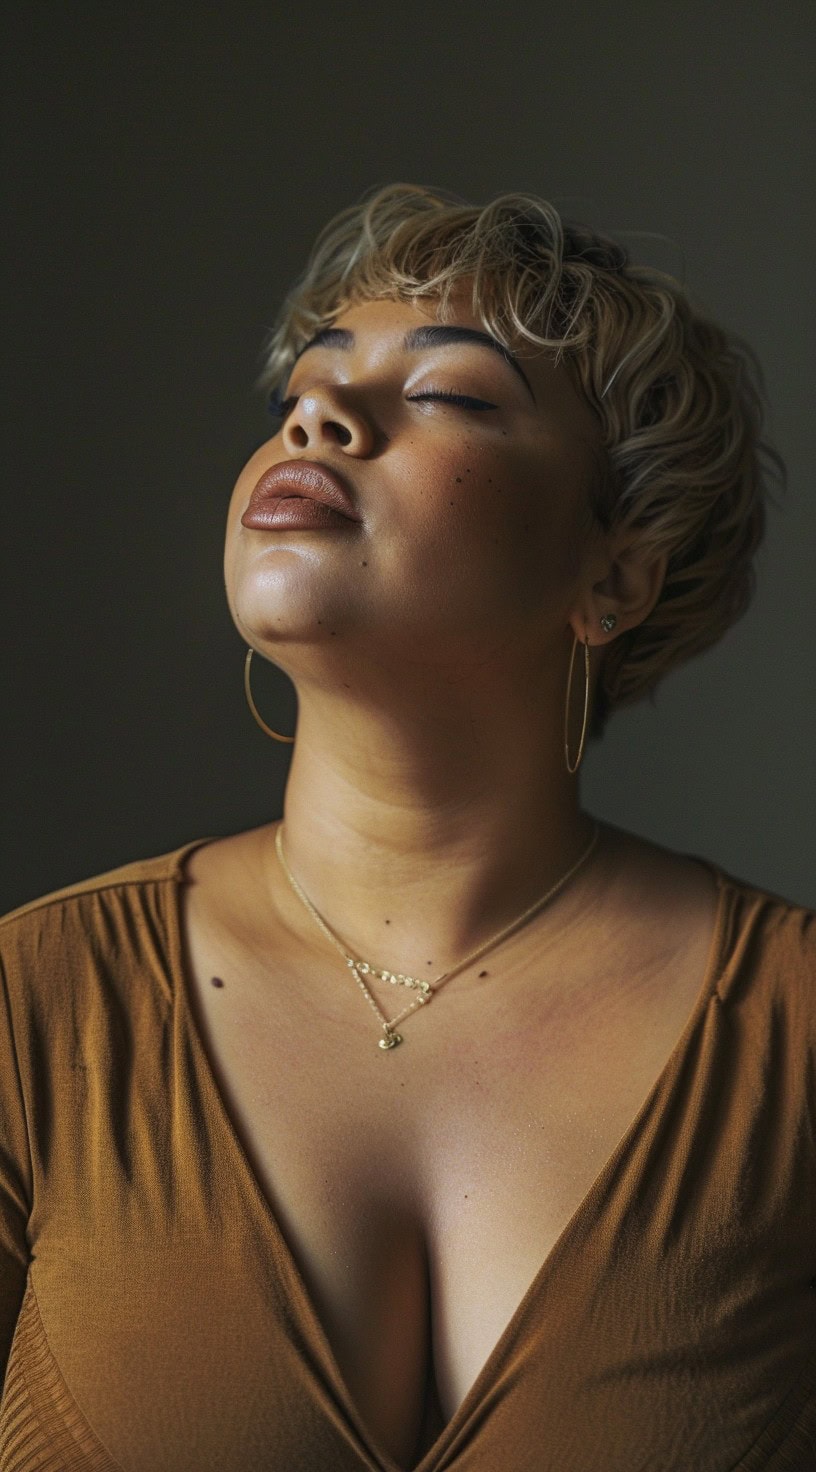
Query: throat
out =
(459, 934)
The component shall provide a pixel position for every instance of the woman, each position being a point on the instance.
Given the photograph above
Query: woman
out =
(438, 1124)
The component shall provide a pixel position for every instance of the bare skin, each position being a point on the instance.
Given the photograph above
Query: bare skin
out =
(428, 804)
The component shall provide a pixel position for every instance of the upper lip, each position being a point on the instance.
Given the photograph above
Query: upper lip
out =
(305, 478)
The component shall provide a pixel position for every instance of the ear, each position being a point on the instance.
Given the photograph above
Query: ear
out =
(630, 582)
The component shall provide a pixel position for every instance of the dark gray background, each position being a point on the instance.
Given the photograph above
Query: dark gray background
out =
(169, 172)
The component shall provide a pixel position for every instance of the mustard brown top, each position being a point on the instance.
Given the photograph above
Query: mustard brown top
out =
(152, 1315)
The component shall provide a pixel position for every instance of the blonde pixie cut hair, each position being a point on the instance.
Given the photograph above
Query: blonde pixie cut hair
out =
(678, 399)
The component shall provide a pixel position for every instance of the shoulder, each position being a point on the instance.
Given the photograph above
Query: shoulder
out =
(763, 967)
(106, 915)
(670, 868)
(35, 912)
(761, 921)
(753, 930)
(168, 865)
(768, 954)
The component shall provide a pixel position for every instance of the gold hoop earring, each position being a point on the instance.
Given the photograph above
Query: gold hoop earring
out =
(570, 769)
(254, 708)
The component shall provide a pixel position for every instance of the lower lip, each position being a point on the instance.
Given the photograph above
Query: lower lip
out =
(294, 511)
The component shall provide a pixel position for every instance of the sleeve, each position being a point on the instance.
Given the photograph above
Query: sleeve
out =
(15, 1181)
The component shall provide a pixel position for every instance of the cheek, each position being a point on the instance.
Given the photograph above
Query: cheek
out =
(493, 509)
(451, 513)
(511, 528)
(473, 534)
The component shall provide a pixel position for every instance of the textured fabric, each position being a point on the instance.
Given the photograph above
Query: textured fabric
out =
(152, 1316)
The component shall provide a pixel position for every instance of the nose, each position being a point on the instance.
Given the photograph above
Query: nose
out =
(322, 416)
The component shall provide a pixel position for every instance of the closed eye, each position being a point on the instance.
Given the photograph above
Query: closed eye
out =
(463, 400)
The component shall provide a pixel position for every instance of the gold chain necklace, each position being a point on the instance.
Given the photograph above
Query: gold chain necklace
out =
(425, 989)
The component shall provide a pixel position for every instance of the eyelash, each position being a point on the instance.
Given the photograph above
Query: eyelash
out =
(279, 408)
(465, 401)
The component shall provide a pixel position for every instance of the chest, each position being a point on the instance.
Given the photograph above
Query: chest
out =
(421, 1190)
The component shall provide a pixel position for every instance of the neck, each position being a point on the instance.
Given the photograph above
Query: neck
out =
(418, 836)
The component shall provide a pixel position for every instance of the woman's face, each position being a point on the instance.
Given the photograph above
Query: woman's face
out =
(475, 516)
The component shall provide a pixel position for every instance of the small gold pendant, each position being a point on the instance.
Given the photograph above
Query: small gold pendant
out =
(391, 1040)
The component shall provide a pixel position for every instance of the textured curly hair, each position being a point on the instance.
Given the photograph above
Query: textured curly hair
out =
(679, 399)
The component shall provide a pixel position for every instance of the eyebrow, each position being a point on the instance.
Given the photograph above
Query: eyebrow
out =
(419, 338)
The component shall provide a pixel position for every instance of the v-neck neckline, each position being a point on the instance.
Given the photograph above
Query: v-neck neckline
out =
(182, 988)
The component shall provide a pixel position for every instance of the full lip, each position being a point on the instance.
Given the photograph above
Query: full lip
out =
(307, 479)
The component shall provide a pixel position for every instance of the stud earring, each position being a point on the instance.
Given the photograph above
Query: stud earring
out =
(608, 621)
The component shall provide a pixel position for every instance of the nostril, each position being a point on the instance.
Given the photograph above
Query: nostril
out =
(343, 434)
